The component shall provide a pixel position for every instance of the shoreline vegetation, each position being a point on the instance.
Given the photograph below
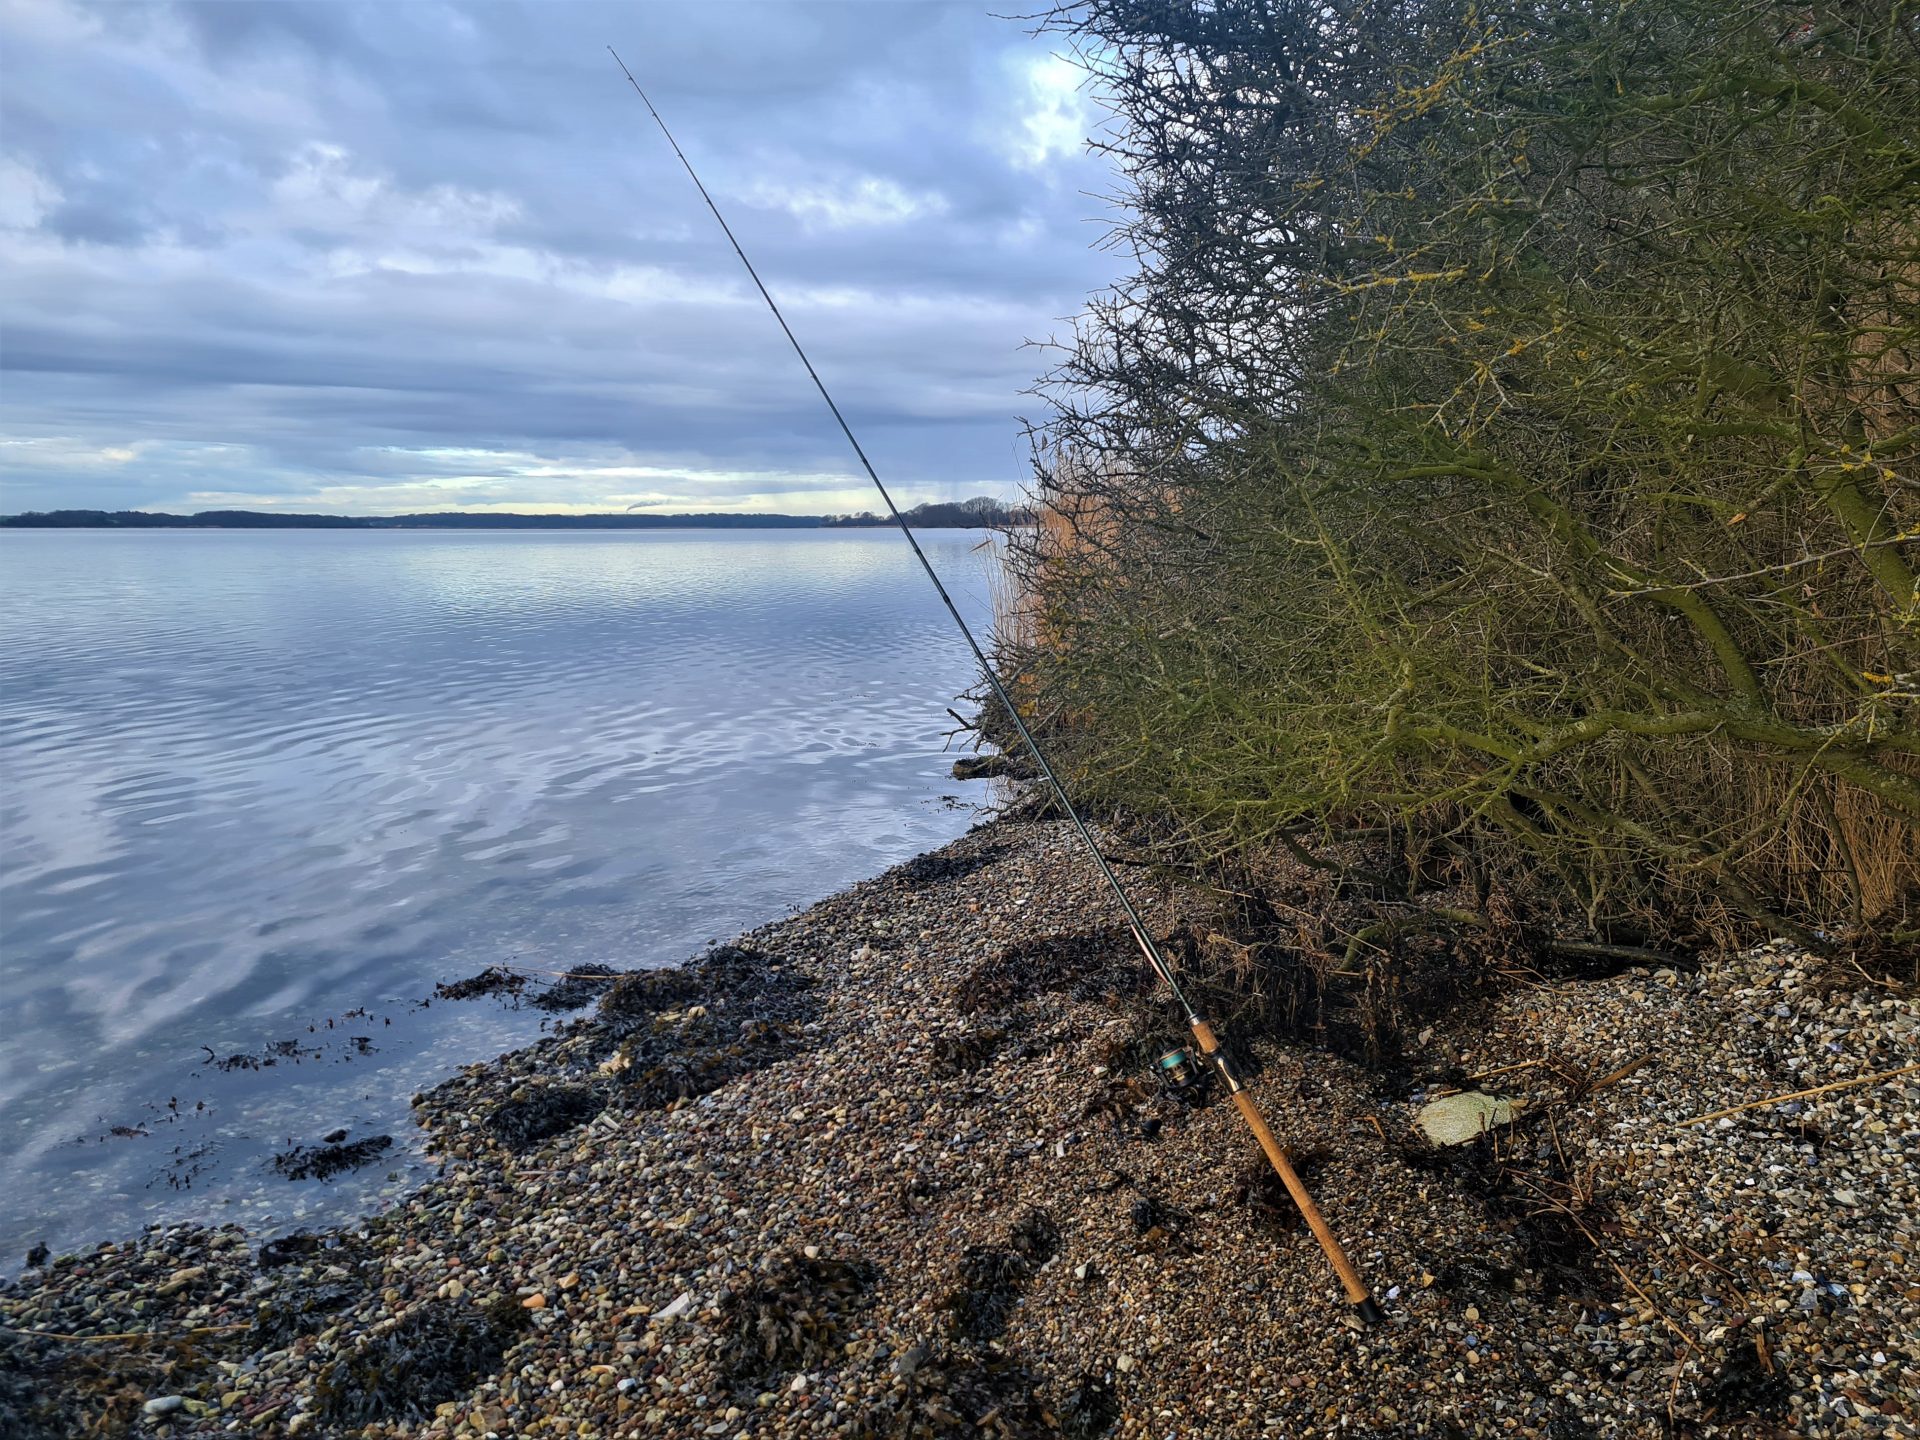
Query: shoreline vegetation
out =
(981, 512)
(893, 1167)
(1502, 446)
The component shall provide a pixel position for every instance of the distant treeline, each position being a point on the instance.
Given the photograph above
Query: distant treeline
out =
(980, 512)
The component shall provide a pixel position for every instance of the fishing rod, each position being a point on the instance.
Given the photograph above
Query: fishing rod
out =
(1203, 1034)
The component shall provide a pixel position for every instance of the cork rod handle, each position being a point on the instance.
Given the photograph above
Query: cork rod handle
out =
(1276, 1153)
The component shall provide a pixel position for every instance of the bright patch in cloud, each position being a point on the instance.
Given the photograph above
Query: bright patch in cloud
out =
(323, 189)
(25, 196)
(1056, 118)
(869, 201)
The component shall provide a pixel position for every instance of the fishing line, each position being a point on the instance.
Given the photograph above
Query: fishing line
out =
(1209, 1044)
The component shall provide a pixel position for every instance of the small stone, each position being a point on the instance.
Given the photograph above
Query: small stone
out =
(534, 1302)
(181, 1279)
(676, 1307)
(164, 1405)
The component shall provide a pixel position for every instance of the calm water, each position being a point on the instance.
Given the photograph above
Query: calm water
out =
(266, 789)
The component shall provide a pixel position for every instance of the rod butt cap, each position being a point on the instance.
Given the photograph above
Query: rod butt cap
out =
(1370, 1312)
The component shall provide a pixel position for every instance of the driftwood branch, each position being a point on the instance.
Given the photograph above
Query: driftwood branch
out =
(1852, 1084)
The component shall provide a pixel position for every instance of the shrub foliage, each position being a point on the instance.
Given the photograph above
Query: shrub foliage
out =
(1506, 438)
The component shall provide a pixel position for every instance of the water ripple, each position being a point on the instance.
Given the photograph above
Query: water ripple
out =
(256, 782)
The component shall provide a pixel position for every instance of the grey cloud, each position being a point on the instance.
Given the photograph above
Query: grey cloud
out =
(323, 243)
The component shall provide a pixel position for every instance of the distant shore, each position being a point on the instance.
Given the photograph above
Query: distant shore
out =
(981, 513)
(890, 1167)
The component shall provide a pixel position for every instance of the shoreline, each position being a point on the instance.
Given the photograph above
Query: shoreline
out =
(889, 1167)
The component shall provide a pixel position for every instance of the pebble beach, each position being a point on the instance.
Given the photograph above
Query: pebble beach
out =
(894, 1167)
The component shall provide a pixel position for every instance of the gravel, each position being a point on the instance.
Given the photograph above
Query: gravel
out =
(891, 1168)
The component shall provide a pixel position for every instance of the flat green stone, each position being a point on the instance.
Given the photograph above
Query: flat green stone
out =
(1463, 1117)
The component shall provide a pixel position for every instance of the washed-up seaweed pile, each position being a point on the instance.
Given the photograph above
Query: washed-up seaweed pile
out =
(538, 1111)
(655, 1037)
(1088, 966)
(789, 1318)
(965, 1395)
(75, 1359)
(434, 1354)
(992, 1276)
(748, 1014)
(573, 989)
(325, 1161)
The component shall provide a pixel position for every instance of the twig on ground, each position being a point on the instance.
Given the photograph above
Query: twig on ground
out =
(128, 1334)
(1506, 1069)
(1607, 1255)
(1614, 1077)
(1799, 1095)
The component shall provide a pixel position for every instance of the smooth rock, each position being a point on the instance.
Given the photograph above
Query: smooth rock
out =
(676, 1307)
(1463, 1117)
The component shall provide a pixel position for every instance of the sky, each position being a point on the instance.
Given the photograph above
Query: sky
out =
(391, 257)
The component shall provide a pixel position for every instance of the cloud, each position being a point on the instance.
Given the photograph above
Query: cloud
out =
(870, 201)
(303, 253)
(1057, 117)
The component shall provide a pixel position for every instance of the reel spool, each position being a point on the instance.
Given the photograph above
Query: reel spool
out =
(1179, 1071)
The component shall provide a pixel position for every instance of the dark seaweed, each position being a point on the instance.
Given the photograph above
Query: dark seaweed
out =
(1744, 1389)
(1089, 1409)
(494, 980)
(437, 1353)
(751, 1006)
(966, 1395)
(991, 1279)
(724, 975)
(270, 1055)
(1036, 1237)
(287, 1248)
(940, 868)
(538, 1112)
(1510, 1178)
(323, 1162)
(1088, 966)
(1260, 1189)
(577, 989)
(966, 1053)
(296, 1307)
(790, 1318)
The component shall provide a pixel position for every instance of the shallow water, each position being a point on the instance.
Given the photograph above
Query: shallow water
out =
(267, 789)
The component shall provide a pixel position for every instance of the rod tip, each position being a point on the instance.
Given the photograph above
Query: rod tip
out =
(1371, 1313)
